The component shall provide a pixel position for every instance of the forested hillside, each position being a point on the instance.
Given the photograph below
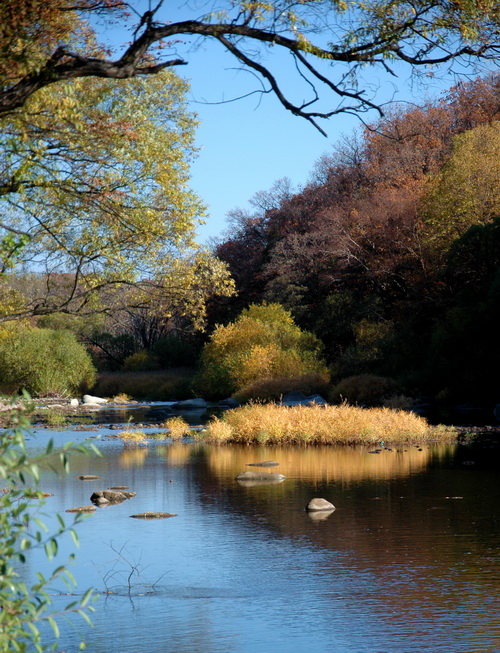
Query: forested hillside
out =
(391, 253)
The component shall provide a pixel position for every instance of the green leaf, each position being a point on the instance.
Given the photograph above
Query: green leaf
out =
(55, 627)
(86, 597)
(85, 616)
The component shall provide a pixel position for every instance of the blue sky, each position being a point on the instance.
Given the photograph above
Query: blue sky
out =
(248, 144)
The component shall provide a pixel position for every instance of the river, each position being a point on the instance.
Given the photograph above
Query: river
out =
(408, 561)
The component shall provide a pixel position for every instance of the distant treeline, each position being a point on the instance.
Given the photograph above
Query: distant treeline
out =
(391, 253)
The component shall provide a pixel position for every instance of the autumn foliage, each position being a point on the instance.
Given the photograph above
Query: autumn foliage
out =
(366, 255)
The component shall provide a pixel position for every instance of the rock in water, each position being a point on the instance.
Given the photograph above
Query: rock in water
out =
(264, 463)
(89, 399)
(105, 497)
(319, 504)
(254, 475)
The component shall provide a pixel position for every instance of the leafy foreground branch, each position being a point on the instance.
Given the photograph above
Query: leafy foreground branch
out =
(344, 424)
(26, 607)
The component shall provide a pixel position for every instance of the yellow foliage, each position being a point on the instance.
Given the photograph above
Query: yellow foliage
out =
(467, 190)
(262, 343)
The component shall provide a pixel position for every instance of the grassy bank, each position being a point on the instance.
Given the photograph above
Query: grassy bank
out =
(275, 424)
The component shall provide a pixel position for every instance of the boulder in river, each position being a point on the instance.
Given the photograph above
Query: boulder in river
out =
(318, 504)
(93, 401)
(106, 497)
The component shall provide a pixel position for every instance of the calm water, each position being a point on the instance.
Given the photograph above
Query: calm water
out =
(409, 561)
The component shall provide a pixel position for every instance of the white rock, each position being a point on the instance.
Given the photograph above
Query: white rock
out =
(74, 402)
(319, 504)
(89, 399)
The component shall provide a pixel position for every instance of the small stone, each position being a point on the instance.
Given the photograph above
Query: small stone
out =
(264, 463)
(251, 475)
(319, 504)
(153, 515)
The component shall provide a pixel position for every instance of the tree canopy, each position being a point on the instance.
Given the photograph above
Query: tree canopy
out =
(390, 255)
(94, 186)
(330, 43)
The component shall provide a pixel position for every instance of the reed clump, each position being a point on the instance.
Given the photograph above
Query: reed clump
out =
(134, 437)
(177, 427)
(343, 424)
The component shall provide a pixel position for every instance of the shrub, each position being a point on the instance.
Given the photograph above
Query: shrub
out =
(141, 361)
(367, 389)
(263, 343)
(43, 362)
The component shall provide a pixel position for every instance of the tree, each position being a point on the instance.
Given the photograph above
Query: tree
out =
(467, 189)
(330, 43)
(174, 304)
(93, 181)
(263, 343)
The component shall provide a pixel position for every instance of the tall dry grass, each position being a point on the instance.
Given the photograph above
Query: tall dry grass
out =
(344, 424)
(177, 427)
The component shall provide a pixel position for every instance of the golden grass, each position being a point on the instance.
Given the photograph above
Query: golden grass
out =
(344, 424)
(121, 398)
(132, 436)
(177, 427)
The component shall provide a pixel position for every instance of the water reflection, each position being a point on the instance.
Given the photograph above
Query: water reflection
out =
(327, 463)
(402, 564)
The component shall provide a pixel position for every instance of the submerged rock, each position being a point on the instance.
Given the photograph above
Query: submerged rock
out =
(190, 404)
(318, 504)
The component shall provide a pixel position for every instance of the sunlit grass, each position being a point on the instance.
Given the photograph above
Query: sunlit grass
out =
(135, 437)
(177, 427)
(121, 398)
(344, 424)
